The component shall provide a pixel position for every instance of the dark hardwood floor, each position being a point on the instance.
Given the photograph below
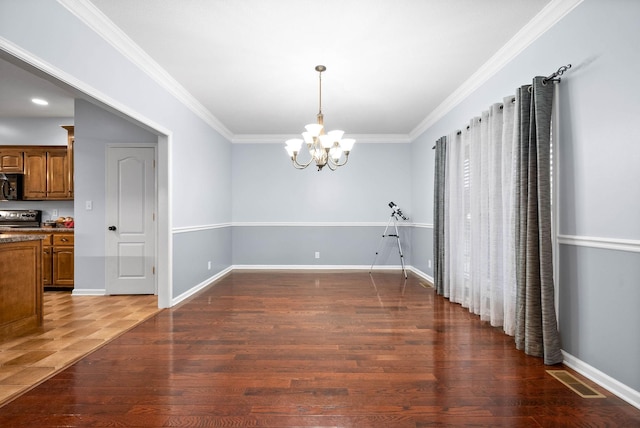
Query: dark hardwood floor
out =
(284, 349)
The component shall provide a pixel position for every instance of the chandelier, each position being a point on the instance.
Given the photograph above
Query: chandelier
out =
(325, 148)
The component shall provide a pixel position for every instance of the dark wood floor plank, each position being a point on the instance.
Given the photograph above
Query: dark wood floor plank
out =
(288, 348)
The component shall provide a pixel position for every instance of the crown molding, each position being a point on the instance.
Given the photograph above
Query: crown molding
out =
(280, 139)
(91, 16)
(543, 21)
(98, 22)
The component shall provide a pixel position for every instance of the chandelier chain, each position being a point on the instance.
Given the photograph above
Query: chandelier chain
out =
(320, 92)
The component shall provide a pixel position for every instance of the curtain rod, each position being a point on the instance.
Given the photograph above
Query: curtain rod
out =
(553, 77)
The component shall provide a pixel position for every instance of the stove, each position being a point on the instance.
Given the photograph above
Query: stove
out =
(20, 218)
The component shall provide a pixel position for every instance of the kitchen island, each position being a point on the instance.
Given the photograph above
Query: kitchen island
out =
(57, 254)
(20, 284)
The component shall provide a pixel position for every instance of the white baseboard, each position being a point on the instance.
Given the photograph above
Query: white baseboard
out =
(89, 292)
(199, 287)
(335, 267)
(316, 267)
(422, 275)
(203, 284)
(626, 393)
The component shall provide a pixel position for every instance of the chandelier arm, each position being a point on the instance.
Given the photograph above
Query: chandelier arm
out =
(299, 165)
(296, 165)
(338, 164)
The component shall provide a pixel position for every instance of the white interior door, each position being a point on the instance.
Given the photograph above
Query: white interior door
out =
(130, 215)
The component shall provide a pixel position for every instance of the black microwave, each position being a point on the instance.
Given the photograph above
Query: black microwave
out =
(11, 188)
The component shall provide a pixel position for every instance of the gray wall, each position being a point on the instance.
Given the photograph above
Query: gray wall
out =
(194, 251)
(599, 318)
(422, 163)
(34, 131)
(339, 246)
(282, 215)
(598, 158)
(95, 129)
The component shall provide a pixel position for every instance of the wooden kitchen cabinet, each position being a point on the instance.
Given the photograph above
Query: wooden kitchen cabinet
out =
(57, 257)
(20, 287)
(57, 175)
(62, 261)
(47, 258)
(11, 161)
(35, 175)
(71, 139)
(46, 174)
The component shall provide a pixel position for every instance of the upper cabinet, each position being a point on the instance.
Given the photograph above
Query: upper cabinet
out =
(70, 143)
(46, 173)
(11, 161)
(48, 170)
(58, 183)
(35, 177)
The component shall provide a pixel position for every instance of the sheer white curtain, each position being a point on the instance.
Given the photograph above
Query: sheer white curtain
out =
(454, 270)
(496, 220)
(509, 140)
(479, 272)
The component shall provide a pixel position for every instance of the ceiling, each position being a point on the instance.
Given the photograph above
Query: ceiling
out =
(18, 87)
(250, 63)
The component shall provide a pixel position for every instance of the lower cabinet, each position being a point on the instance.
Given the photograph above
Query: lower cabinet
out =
(20, 288)
(57, 258)
(46, 261)
(62, 261)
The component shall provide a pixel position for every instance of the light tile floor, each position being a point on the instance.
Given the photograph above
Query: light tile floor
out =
(73, 327)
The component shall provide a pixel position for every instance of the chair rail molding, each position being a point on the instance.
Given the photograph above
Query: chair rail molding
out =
(630, 245)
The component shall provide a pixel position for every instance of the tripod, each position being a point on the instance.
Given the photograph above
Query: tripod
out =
(392, 220)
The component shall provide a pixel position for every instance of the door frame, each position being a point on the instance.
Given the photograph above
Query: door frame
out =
(134, 145)
(164, 241)
(164, 244)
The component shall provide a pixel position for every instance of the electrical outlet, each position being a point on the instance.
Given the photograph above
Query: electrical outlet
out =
(429, 263)
(54, 214)
(317, 254)
(209, 265)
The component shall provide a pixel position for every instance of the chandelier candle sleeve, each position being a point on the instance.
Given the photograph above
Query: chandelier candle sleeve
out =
(325, 148)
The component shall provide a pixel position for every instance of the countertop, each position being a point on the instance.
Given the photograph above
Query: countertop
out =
(36, 229)
(4, 238)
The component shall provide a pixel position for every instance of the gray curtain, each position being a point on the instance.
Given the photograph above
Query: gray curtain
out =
(536, 326)
(439, 214)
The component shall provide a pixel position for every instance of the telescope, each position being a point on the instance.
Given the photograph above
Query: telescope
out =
(397, 212)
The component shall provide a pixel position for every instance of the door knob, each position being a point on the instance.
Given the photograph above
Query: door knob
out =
(112, 228)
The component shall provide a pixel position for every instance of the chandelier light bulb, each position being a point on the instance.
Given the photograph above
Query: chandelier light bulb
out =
(336, 153)
(336, 135)
(347, 144)
(314, 129)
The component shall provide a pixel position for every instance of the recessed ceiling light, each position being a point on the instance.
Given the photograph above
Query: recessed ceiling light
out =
(40, 101)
